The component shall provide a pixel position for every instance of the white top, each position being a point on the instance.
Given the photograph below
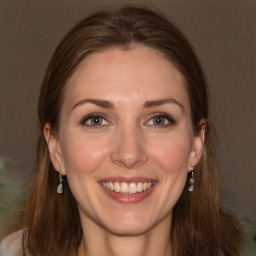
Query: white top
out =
(12, 244)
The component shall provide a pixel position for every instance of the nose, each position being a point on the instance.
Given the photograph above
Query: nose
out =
(128, 150)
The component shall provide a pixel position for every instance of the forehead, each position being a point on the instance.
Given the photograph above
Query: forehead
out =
(139, 73)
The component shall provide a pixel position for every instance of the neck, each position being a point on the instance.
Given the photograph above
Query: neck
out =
(98, 241)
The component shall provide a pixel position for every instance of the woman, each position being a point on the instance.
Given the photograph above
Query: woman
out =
(126, 162)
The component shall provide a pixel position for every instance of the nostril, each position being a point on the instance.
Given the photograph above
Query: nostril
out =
(128, 150)
(129, 160)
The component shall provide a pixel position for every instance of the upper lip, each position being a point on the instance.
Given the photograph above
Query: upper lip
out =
(127, 179)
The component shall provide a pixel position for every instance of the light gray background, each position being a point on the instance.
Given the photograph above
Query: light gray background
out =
(223, 33)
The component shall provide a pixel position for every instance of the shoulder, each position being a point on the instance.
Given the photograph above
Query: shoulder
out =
(12, 244)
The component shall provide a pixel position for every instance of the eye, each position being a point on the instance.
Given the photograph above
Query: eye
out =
(161, 119)
(95, 120)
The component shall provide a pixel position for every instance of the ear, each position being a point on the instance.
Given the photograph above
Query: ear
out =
(54, 149)
(198, 145)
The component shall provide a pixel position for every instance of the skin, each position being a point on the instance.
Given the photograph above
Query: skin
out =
(128, 143)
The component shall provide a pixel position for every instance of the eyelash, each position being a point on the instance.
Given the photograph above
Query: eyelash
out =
(89, 117)
(86, 118)
(167, 117)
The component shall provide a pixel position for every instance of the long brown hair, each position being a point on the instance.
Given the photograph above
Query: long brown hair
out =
(199, 225)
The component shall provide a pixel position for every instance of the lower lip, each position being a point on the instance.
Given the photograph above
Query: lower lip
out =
(129, 198)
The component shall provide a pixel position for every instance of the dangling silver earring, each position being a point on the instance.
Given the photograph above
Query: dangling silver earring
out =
(191, 179)
(60, 187)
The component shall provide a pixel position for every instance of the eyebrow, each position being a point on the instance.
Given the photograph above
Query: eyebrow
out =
(156, 103)
(100, 103)
(109, 105)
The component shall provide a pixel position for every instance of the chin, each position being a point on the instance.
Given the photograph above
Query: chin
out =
(129, 225)
(128, 230)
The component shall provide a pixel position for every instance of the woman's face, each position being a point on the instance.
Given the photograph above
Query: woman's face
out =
(125, 141)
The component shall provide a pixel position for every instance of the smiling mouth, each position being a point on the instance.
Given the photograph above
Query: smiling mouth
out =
(127, 188)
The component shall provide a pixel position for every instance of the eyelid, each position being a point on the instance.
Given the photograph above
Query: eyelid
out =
(170, 119)
(86, 118)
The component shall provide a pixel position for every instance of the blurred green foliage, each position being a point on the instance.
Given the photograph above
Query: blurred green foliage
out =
(12, 198)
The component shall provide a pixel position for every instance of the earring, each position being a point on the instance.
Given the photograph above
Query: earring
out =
(60, 186)
(191, 179)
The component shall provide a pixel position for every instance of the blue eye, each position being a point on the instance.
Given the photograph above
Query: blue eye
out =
(160, 119)
(94, 120)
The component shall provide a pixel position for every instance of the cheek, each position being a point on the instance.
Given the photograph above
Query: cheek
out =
(172, 152)
(82, 155)
(170, 156)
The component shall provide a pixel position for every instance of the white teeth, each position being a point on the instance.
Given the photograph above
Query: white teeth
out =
(132, 188)
(140, 187)
(124, 187)
(127, 188)
(117, 187)
(111, 186)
